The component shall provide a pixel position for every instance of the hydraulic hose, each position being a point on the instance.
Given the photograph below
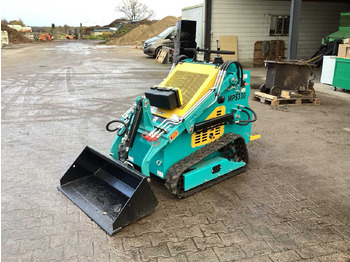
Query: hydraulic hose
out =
(240, 72)
(176, 61)
(126, 125)
(179, 58)
(246, 122)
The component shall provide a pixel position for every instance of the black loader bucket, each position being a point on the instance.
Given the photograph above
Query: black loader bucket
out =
(111, 193)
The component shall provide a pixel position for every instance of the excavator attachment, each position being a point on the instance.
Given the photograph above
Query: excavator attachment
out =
(110, 192)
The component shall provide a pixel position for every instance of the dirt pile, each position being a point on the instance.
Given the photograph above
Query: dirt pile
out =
(127, 27)
(144, 32)
(15, 37)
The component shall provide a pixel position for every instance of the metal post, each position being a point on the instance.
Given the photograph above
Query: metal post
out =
(294, 24)
(207, 31)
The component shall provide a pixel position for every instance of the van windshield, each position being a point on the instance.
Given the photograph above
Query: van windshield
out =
(166, 32)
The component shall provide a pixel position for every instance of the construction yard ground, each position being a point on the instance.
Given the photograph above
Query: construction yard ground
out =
(293, 202)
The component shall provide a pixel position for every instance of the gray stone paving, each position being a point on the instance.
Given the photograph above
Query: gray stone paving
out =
(293, 203)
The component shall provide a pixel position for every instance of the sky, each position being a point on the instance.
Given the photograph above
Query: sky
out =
(74, 12)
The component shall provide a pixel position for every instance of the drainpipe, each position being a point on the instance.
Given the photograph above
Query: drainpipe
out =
(207, 32)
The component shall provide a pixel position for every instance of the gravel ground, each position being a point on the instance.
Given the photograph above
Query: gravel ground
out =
(293, 202)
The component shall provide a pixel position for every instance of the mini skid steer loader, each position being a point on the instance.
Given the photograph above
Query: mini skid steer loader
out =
(191, 131)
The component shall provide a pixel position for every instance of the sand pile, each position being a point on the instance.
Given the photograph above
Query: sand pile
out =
(144, 32)
(127, 27)
(15, 37)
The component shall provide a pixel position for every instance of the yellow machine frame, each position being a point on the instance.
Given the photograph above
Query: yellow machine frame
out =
(193, 80)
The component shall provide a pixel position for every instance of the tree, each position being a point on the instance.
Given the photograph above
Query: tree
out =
(134, 10)
(66, 28)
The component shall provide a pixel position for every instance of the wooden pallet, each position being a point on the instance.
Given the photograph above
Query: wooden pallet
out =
(161, 56)
(275, 101)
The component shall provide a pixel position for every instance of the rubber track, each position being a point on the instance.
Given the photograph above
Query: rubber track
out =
(175, 172)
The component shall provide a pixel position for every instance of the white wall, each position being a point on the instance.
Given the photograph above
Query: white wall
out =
(4, 38)
(250, 21)
(195, 13)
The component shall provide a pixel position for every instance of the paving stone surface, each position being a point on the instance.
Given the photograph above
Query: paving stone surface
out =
(293, 202)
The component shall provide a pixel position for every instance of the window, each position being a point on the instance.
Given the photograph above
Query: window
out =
(279, 25)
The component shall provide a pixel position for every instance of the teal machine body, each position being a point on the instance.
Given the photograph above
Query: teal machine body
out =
(191, 130)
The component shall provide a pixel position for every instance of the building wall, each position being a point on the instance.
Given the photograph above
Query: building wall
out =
(250, 21)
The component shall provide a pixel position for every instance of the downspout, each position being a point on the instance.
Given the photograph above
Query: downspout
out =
(207, 32)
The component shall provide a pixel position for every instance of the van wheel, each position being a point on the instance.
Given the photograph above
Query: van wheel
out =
(157, 51)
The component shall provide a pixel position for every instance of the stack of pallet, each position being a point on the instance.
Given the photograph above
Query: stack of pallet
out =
(268, 50)
(286, 98)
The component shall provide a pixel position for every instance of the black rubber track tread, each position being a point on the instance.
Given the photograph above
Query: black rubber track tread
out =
(172, 178)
